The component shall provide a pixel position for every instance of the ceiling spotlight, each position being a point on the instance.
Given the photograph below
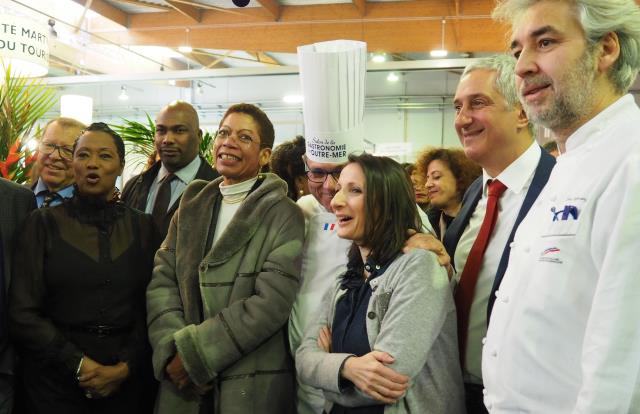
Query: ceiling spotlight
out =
(200, 89)
(292, 99)
(123, 93)
(442, 52)
(186, 48)
(392, 77)
(52, 30)
(172, 82)
(378, 58)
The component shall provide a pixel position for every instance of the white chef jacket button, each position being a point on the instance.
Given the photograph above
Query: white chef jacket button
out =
(484, 340)
(497, 293)
(494, 353)
(484, 391)
(527, 249)
(488, 405)
(504, 298)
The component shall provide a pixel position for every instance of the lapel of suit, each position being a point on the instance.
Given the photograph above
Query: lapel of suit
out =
(540, 178)
(457, 226)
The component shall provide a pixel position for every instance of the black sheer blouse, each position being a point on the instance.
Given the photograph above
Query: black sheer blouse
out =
(81, 270)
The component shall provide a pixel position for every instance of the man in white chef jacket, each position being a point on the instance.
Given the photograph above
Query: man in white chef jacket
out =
(564, 336)
(332, 75)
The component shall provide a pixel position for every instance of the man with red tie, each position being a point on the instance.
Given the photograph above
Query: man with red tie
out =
(495, 132)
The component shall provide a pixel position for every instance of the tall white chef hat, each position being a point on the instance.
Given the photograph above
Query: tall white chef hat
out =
(332, 76)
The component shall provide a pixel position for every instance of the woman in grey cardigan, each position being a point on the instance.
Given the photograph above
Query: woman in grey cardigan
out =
(224, 283)
(385, 340)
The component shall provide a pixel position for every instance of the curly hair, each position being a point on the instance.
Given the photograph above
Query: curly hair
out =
(597, 18)
(464, 170)
(286, 162)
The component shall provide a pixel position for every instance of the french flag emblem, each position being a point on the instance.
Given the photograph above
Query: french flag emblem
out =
(329, 226)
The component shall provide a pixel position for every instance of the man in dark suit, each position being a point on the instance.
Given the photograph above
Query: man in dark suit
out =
(495, 132)
(15, 203)
(157, 191)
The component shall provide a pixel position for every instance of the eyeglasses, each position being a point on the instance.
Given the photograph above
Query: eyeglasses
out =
(319, 176)
(242, 138)
(65, 151)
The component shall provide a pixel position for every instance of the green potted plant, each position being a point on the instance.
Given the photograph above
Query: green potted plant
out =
(141, 137)
(22, 102)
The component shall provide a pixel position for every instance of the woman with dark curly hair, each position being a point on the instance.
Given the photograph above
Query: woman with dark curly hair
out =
(286, 162)
(448, 173)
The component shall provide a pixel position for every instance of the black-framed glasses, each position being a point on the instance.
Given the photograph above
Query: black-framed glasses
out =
(65, 151)
(318, 175)
(242, 138)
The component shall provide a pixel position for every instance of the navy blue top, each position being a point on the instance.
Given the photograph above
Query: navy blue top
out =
(349, 331)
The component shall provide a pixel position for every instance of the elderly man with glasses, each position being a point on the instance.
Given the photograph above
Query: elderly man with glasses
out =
(53, 164)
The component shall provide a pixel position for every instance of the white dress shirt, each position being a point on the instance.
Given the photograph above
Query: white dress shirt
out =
(564, 337)
(183, 177)
(517, 178)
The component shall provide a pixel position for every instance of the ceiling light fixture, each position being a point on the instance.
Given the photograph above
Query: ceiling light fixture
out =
(172, 82)
(292, 99)
(392, 77)
(186, 48)
(378, 58)
(442, 52)
(123, 94)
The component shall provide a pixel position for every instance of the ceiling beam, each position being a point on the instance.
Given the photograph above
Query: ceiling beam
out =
(272, 6)
(191, 12)
(361, 6)
(419, 30)
(205, 59)
(107, 11)
(262, 57)
(145, 4)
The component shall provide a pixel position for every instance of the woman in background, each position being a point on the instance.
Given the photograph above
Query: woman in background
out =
(447, 174)
(392, 314)
(77, 308)
(419, 190)
(286, 162)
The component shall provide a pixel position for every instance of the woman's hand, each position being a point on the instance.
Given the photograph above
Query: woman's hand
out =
(101, 380)
(372, 376)
(177, 373)
(324, 339)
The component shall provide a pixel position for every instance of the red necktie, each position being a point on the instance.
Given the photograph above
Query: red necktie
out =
(469, 277)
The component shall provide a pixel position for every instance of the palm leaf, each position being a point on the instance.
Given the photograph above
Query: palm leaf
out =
(23, 101)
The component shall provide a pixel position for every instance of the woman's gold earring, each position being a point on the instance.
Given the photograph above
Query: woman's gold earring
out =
(301, 192)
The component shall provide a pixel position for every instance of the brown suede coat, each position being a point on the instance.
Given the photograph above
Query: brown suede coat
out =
(225, 310)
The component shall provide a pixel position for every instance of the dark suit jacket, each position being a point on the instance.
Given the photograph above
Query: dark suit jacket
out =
(15, 203)
(469, 203)
(136, 190)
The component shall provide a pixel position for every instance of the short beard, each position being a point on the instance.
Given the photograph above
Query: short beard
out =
(572, 102)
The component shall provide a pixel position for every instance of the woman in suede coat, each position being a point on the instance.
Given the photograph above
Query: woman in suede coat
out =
(224, 282)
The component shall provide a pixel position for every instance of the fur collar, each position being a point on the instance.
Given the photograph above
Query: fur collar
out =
(197, 208)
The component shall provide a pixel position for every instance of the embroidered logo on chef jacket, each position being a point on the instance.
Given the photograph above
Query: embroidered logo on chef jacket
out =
(550, 255)
(329, 226)
(563, 217)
